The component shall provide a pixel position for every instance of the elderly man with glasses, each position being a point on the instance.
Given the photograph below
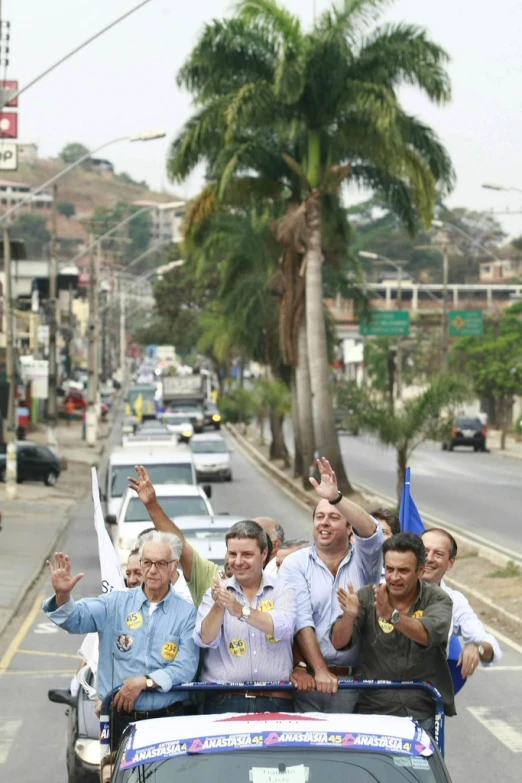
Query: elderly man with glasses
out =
(146, 643)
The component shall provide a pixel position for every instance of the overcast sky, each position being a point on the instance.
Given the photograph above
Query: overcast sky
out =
(125, 82)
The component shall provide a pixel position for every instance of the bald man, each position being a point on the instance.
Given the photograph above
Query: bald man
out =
(276, 535)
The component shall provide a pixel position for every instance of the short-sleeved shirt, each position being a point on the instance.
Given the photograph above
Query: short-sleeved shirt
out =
(316, 588)
(388, 654)
(202, 576)
(468, 626)
(242, 653)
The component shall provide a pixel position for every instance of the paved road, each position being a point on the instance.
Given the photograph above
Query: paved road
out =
(32, 731)
(480, 492)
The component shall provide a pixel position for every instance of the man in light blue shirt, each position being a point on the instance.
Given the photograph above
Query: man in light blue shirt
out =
(316, 573)
(146, 643)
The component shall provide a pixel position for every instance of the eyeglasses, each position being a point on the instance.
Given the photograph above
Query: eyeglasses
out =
(161, 565)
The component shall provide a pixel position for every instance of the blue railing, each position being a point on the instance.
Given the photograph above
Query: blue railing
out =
(105, 736)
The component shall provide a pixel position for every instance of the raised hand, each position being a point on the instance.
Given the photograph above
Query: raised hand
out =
(142, 485)
(328, 488)
(348, 600)
(62, 580)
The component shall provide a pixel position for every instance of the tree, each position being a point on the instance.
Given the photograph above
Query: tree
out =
(274, 397)
(419, 419)
(32, 230)
(332, 95)
(66, 208)
(73, 152)
(494, 363)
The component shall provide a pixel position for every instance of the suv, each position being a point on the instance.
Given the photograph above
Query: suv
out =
(466, 431)
(33, 463)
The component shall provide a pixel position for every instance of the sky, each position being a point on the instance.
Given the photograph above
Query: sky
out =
(125, 83)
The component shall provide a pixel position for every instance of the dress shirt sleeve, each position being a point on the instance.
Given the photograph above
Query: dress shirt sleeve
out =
(437, 618)
(468, 625)
(293, 573)
(368, 552)
(185, 665)
(283, 614)
(204, 608)
(88, 615)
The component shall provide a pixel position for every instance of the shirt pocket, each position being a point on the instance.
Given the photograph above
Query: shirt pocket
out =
(165, 649)
(123, 645)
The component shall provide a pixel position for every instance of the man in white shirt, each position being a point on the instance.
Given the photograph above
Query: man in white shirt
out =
(479, 646)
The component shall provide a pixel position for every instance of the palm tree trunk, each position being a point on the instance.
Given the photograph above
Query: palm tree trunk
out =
(298, 447)
(278, 449)
(304, 404)
(401, 472)
(325, 434)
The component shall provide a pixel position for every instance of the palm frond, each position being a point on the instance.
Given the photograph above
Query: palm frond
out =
(273, 17)
(200, 137)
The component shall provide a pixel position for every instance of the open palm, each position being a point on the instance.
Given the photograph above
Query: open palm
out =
(142, 485)
(61, 577)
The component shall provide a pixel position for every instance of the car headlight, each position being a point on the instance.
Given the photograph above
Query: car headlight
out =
(216, 417)
(187, 433)
(88, 750)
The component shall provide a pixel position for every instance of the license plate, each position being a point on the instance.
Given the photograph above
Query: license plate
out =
(468, 433)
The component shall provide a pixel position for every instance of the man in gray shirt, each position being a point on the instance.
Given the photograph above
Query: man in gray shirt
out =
(402, 628)
(316, 573)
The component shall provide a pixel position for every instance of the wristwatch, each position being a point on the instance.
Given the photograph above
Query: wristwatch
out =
(245, 613)
(395, 617)
(301, 665)
(149, 683)
(481, 650)
(337, 499)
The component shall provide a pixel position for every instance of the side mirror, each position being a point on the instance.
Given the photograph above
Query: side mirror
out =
(61, 696)
(207, 489)
(110, 519)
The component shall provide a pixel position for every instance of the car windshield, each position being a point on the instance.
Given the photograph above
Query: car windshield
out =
(288, 765)
(205, 534)
(178, 473)
(209, 447)
(193, 407)
(469, 424)
(175, 418)
(173, 507)
(147, 394)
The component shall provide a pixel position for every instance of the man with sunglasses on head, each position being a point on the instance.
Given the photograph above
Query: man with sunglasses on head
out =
(145, 633)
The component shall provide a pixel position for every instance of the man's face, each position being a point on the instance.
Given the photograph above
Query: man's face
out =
(402, 573)
(106, 773)
(283, 553)
(245, 560)
(331, 531)
(156, 566)
(269, 526)
(133, 571)
(438, 559)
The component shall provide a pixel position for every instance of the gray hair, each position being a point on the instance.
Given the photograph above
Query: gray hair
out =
(159, 537)
(280, 532)
(247, 528)
(295, 543)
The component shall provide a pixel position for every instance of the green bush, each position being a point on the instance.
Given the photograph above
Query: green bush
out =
(238, 406)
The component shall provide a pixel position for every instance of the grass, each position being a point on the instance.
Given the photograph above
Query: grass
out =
(508, 572)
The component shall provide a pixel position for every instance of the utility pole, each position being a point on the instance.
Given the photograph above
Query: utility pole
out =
(10, 467)
(92, 391)
(399, 342)
(52, 413)
(444, 348)
(122, 335)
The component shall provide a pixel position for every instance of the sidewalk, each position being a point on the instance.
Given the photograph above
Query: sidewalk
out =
(513, 447)
(33, 523)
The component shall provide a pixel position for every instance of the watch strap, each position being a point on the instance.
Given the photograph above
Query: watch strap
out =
(337, 500)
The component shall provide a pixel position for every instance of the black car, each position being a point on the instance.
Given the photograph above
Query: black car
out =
(33, 463)
(212, 416)
(466, 431)
(83, 735)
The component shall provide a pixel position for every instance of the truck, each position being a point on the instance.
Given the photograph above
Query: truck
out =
(187, 394)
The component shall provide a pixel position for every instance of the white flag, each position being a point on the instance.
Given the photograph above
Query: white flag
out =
(111, 574)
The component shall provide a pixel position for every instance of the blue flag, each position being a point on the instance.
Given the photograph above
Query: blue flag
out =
(409, 516)
(411, 522)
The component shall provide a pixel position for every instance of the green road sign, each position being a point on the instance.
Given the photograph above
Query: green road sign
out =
(466, 323)
(386, 323)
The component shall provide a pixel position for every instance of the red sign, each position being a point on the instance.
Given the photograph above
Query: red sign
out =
(9, 125)
(9, 88)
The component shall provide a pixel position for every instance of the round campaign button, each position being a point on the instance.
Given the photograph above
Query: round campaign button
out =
(134, 620)
(237, 647)
(169, 651)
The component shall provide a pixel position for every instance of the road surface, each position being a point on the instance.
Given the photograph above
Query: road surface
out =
(483, 742)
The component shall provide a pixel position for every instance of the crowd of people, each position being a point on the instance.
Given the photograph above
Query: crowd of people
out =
(362, 601)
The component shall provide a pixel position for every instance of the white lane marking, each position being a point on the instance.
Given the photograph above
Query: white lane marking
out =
(509, 733)
(503, 638)
(46, 628)
(502, 669)
(8, 731)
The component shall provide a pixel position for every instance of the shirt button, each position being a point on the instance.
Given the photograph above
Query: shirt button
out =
(254, 652)
(255, 671)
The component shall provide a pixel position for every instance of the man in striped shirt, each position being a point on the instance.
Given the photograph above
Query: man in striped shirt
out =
(246, 627)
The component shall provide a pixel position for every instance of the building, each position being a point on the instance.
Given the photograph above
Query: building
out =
(500, 270)
(166, 222)
(99, 166)
(27, 152)
(11, 193)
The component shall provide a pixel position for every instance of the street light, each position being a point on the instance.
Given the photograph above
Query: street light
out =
(495, 186)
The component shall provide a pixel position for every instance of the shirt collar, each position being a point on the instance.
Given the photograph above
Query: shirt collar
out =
(141, 598)
(314, 554)
(266, 581)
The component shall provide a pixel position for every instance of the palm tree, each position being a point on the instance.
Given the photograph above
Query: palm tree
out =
(325, 102)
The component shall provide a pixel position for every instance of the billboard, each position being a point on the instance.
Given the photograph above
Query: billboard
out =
(8, 88)
(8, 125)
(8, 156)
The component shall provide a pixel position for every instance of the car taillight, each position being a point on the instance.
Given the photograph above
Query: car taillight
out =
(484, 431)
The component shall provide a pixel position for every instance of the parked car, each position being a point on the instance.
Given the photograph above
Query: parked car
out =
(466, 431)
(33, 463)
(83, 734)
(212, 415)
(211, 457)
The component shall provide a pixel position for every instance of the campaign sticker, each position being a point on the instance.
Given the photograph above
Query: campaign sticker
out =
(134, 620)
(417, 614)
(402, 761)
(237, 647)
(265, 606)
(417, 762)
(169, 651)
(386, 627)
(271, 638)
(124, 642)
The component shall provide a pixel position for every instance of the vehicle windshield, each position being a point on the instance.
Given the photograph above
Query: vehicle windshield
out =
(179, 473)
(175, 418)
(209, 447)
(287, 765)
(469, 424)
(186, 405)
(146, 393)
(173, 507)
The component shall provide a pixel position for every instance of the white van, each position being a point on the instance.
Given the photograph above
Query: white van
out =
(164, 465)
